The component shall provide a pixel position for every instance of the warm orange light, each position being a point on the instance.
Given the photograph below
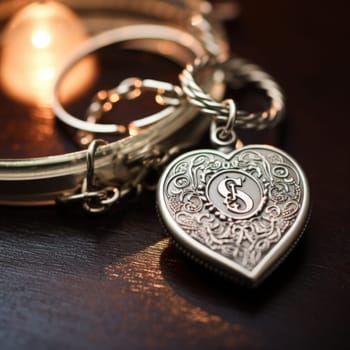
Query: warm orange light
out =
(45, 74)
(41, 39)
(35, 43)
(143, 278)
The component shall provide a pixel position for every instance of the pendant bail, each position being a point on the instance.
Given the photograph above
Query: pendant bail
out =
(222, 135)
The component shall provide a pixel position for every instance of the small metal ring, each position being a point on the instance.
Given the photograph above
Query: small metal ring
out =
(112, 195)
(94, 200)
(131, 88)
(115, 36)
(90, 163)
(231, 115)
(220, 137)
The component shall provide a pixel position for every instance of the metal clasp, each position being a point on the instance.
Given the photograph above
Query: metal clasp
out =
(93, 198)
(96, 198)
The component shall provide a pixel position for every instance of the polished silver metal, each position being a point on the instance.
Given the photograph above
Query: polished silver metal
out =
(222, 135)
(238, 72)
(231, 117)
(222, 139)
(40, 181)
(167, 94)
(126, 34)
(94, 198)
(107, 196)
(168, 10)
(238, 214)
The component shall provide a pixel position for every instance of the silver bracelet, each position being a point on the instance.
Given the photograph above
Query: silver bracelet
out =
(237, 210)
(121, 164)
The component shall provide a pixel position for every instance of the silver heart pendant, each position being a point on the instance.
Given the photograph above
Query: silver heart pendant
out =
(240, 213)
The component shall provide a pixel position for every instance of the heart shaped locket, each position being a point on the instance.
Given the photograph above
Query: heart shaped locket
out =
(238, 214)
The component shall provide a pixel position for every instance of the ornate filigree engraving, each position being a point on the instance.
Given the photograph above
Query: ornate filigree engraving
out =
(239, 206)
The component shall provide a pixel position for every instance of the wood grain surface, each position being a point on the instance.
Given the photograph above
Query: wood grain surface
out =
(72, 281)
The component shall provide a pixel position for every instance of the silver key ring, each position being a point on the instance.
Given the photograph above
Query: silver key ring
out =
(168, 95)
(113, 36)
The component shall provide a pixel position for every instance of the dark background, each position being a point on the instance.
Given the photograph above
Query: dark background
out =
(72, 281)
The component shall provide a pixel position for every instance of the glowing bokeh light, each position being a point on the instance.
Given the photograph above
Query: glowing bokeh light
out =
(41, 39)
(35, 43)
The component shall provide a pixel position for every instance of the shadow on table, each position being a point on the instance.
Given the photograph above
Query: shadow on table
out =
(203, 287)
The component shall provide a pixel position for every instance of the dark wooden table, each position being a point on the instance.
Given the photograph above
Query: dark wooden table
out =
(72, 281)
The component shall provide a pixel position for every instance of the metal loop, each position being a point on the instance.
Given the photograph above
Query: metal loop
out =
(79, 197)
(112, 195)
(173, 97)
(231, 115)
(220, 137)
(166, 94)
(93, 199)
(100, 201)
(96, 201)
(238, 73)
(129, 89)
(90, 163)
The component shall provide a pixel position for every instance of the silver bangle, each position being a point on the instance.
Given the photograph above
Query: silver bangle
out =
(121, 164)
